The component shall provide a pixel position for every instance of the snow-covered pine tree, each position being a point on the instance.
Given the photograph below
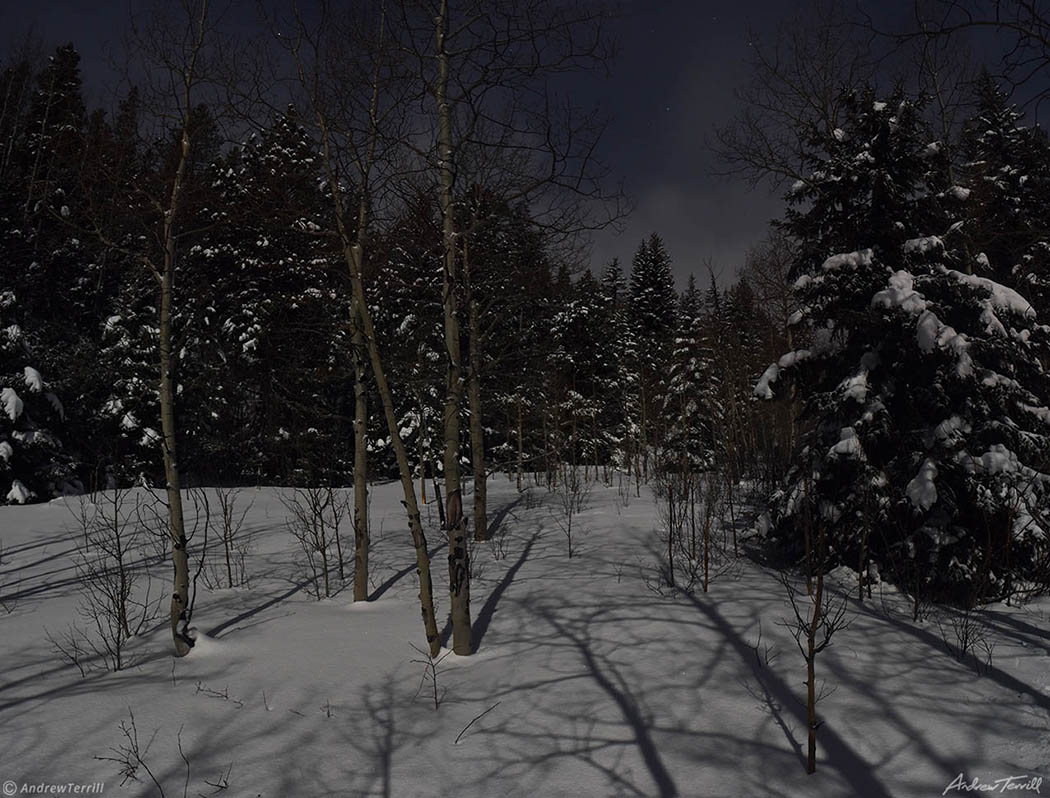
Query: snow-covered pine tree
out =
(654, 306)
(404, 288)
(577, 335)
(617, 370)
(32, 462)
(923, 396)
(690, 404)
(1005, 188)
(690, 304)
(262, 321)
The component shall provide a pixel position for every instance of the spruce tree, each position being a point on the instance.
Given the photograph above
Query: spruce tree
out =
(654, 306)
(33, 464)
(923, 393)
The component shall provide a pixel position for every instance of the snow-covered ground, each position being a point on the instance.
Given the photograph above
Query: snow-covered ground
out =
(595, 685)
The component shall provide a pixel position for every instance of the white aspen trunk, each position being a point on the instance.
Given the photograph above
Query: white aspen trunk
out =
(458, 555)
(180, 598)
(361, 534)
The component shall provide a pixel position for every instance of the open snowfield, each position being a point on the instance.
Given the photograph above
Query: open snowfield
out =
(596, 684)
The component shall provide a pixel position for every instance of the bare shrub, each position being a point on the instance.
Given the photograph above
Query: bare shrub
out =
(965, 633)
(236, 540)
(817, 613)
(117, 601)
(316, 515)
(573, 497)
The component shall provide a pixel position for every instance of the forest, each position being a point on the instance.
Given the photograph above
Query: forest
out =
(343, 253)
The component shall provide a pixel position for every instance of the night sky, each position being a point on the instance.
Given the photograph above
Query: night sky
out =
(679, 63)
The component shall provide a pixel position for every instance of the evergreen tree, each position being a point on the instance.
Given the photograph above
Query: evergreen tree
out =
(654, 306)
(691, 404)
(690, 304)
(1005, 189)
(33, 464)
(653, 296)
(923, 391)
(262, 322)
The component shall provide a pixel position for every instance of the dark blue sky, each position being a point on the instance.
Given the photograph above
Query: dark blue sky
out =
(680, 62)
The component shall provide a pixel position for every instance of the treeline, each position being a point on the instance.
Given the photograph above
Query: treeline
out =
(380, 279)
(325, 300)
(575, 366)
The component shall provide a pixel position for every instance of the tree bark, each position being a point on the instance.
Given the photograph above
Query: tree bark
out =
(361, 534)
(811, 677)
(180, 597)
(458, 555)
(352, 255)
(353, 246)
(521, 445)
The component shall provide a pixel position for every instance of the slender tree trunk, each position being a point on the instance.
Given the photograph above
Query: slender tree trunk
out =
(353, 245)
(643, 430)
(361, 534)
(670, 532)
(180, 597)
(422, 453)
(521, 445)
(458, 554)
(811, 680)
(352, 254)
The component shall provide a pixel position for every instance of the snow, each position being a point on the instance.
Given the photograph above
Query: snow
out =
(1001, 297)
(34, 381)
(12, 403)
(852, 260)
(856, 387)
(921, 489)
(1042, 413)
(772, 373)
(595, 685)
(19, 493)
(926, 330)
(6, 452)
(804, 281)
(997, 460)
(792, 358)
(931, 333)
(848, 445)
(923, 245)
(769, 376)
(960, 193)
(951, 429)
(900, 293)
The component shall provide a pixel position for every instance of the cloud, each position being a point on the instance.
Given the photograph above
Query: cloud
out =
(700, 219)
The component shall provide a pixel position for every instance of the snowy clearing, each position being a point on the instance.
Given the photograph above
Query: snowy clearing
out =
(591, 683)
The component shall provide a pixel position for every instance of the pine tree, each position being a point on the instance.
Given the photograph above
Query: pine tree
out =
(264, 345)
(923, 391)
(654, 305)
(619, 369)
(691, 405)
(33, 464)
(1005, 191)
